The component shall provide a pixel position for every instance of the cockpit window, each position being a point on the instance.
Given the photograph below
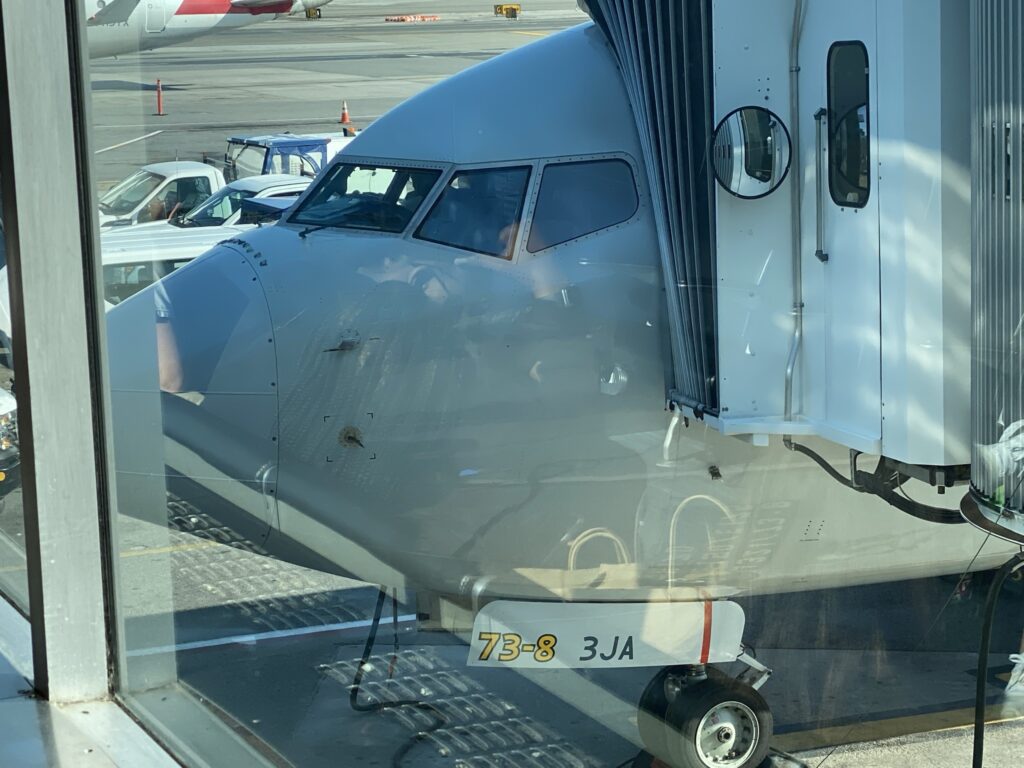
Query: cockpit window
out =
(479, 211)
(365, 196)
(576, 199)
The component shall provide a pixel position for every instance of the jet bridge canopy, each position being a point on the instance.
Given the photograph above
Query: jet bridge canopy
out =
(664, 53)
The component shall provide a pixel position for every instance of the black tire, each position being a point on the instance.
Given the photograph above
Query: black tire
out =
(650, 716)
(747, 718)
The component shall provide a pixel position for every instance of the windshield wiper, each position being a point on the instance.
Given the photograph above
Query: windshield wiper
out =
(314, 228)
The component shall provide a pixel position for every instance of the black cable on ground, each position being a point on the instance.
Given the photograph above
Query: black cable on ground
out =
(378, 706)
(1009, 567)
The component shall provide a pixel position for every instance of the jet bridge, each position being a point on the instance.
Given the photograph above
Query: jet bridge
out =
(996, 498)
(821, 286)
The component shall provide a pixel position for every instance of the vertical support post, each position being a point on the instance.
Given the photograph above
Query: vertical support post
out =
(160, 99)
(48, 219)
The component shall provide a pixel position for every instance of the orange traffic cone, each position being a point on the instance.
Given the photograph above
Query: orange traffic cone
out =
(345, 119)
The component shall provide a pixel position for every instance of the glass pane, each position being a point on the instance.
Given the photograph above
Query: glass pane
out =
(371, 197)
(386, 495)
(13, 575)
(576, 199)
(479, 211)
(849, 128)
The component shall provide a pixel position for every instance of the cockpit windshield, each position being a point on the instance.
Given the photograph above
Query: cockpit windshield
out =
(126, 196)
(217, 209)
(367, 196)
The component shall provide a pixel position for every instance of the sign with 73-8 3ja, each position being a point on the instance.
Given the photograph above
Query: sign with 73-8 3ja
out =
(521, 634)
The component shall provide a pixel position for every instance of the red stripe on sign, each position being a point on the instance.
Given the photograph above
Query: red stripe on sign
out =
(705, 645)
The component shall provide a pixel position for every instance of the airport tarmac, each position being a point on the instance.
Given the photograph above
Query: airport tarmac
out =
(293, 74)
(274, 646)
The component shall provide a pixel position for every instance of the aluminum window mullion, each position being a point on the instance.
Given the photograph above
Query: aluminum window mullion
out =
(54, 317)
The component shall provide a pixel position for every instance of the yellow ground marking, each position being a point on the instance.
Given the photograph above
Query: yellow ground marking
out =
(531, 34)
(142, 552)
(887, 729)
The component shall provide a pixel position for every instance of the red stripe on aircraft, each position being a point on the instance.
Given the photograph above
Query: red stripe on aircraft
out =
(705, 645)
(221, 7)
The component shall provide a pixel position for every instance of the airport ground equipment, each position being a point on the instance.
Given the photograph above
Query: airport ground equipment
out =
(279, 153)
(508, 10)
(158, 191)
(582, 379)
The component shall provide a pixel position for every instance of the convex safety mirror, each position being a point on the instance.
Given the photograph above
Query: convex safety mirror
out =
(751, 152)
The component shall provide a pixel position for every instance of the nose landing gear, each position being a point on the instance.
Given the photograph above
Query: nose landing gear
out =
(695, 716)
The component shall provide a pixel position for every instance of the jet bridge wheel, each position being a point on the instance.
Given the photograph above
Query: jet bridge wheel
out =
(718, 722)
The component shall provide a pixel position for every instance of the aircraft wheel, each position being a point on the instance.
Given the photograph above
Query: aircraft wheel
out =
(718, 723)
(650, 717)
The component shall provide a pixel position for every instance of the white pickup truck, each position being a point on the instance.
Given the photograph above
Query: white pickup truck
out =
(159, 191)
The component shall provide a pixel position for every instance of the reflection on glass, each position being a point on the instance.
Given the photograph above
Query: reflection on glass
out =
(751, 152)
(848, 146)
(126, 196)
(396, 484)
(13, 576)
(371, 197)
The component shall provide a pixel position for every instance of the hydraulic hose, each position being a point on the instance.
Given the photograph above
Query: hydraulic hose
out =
(883, 483)
(1008, 567)
(377, 706)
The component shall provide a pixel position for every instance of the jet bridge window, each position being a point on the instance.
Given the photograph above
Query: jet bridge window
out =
(849, 164)
(367, 196)
(479, 211)
(576, 199)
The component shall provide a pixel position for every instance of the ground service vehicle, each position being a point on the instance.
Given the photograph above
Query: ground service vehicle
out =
(279, 153)
(158, 192)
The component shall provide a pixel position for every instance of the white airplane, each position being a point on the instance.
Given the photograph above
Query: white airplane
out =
(447, 367)
(118, 27)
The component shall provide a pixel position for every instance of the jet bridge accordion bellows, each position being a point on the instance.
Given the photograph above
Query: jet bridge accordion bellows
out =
(664, 53)
(997, 375)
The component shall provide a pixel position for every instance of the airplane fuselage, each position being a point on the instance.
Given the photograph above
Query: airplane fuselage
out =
(158, 23)
(488, 417)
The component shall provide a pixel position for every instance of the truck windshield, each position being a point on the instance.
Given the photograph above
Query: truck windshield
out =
(367, 196)
(246, 160)
(126, 196)
(217, 209)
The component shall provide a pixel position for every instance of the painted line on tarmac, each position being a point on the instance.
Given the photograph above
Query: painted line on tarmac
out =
(260, 636)
(238, 124)
(126, 143)
(877, 730)
(531, 34)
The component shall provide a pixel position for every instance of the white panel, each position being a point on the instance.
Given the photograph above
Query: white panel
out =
(755, 317)
(924, 193)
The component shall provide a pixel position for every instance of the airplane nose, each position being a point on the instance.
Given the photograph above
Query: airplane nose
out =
(310, 5)
(194, 384)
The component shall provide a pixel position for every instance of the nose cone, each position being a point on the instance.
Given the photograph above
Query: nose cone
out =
(193, 386)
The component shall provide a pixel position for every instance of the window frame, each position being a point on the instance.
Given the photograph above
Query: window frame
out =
(525, 205)
(543, 165)
(829, 114)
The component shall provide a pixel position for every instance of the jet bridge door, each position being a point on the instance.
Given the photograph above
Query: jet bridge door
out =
(840, 240)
